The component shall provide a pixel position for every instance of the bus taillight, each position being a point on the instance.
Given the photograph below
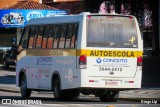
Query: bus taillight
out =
(83, 61)
(89, 16)
(130, 17)
(139, 61)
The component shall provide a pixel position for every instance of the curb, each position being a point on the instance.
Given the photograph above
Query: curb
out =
(13, 90)
(10, 90)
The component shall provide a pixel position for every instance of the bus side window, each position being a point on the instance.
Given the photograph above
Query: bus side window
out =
(72, 41)
(39, 41)
(63, 35)
(45, 36)
(49, 43)
(39, 38)
(50, 38)
(24, 40)
(44, 42)
(56, 35)
(32, 39)
(74, 36)
(69, 35)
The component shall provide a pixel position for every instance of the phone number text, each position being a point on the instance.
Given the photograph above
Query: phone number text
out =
(109, 69)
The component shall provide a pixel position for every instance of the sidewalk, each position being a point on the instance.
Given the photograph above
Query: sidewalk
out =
(7, 84)
(8, 80)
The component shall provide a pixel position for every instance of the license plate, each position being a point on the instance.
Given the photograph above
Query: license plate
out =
(112, 82)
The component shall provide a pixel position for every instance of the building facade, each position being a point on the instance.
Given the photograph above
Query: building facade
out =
(14, 16)
(8, 3)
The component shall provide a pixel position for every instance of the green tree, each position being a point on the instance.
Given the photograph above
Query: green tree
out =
(134, 7)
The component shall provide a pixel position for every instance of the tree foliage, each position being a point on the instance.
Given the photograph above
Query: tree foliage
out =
(133, 7)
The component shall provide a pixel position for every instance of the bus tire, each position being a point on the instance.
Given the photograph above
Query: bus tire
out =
(56, 88)
(109, 96)
(25, 93)
(63, 94)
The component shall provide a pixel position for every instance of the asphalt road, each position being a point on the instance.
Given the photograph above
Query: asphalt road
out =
(147, 98)
(48, 98)
(84, 101)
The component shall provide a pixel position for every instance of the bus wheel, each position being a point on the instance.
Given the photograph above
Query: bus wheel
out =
(56, 88)
(24, 91)
(64, 94)
(109, 96)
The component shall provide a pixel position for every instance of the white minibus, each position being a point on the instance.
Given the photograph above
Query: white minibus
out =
(98, 54)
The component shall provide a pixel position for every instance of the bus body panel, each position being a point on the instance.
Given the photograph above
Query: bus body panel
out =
(39, 65)
(106, 70)
(41, 68)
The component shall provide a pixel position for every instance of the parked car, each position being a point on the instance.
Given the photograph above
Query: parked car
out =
(9, 57)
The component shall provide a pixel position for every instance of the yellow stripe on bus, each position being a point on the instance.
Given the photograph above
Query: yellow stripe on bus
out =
(110, 53)
(75, 52)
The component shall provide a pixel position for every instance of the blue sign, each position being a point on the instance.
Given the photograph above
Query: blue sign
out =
(19, 18)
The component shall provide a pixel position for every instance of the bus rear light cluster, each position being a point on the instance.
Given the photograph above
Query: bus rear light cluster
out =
(89, 16)
(83, 61)
(139, 61)
(130, 17)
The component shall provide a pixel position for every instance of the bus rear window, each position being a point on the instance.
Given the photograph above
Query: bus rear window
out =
(113, 32)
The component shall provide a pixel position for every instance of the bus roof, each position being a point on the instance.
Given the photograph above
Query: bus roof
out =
(68, 18)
